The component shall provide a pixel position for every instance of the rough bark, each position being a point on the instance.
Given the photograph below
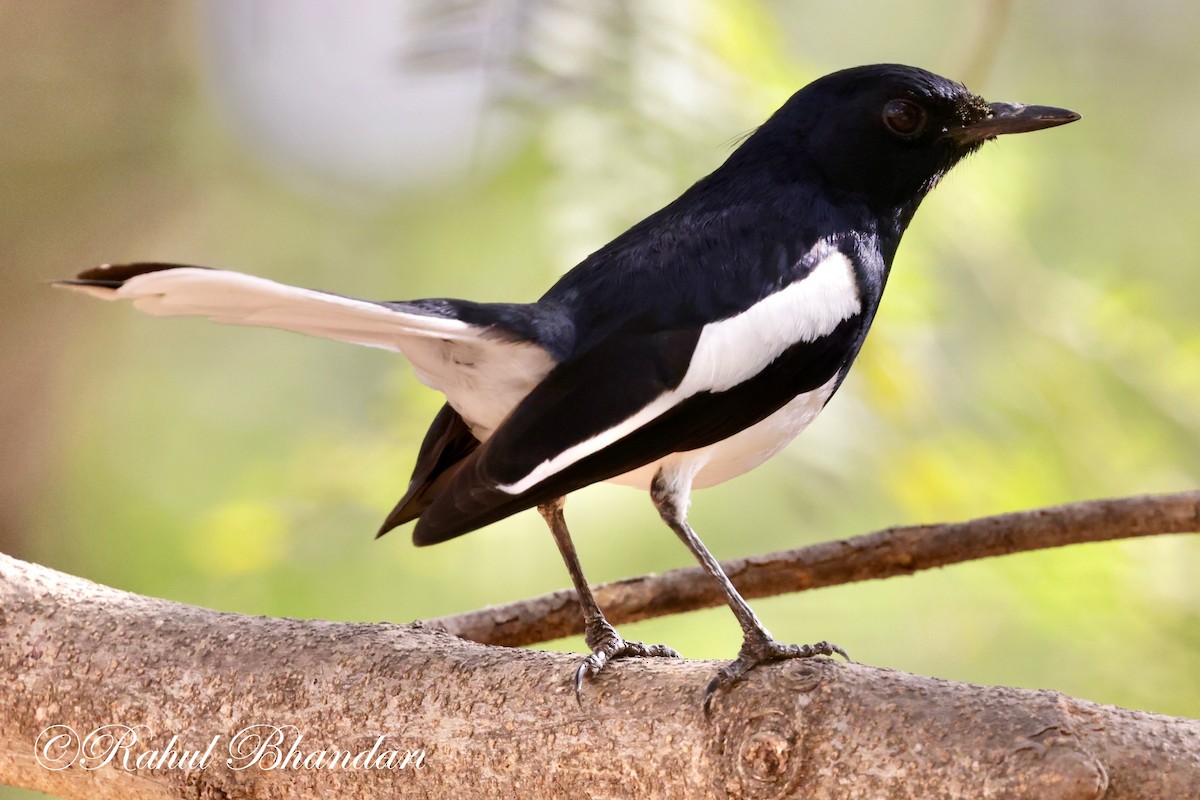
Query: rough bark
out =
(499, 722)
(894, 551)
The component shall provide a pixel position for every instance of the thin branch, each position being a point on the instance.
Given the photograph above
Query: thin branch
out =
(894, 551)
(482, 722)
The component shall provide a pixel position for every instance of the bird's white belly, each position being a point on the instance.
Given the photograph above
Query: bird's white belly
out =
(741, 452)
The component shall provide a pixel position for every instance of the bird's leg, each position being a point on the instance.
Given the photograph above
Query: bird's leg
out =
(758, 646)
(606, 644)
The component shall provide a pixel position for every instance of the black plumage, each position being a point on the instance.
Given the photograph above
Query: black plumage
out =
(682, 353)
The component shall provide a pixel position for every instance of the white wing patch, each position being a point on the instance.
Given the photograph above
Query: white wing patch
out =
(734, 350)
(482, 377)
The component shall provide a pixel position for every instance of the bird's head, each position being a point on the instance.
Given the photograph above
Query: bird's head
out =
(887, 133)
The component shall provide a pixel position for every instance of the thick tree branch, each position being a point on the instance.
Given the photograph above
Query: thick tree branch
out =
(498, 722)
(894, 551)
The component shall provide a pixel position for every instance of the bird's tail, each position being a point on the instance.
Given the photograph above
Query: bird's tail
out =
(238, 299)
(485, 357)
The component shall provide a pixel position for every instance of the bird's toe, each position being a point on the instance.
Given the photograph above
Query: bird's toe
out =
(611, 647)
(756, 652)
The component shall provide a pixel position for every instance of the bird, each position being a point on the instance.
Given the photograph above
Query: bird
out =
(685, 352)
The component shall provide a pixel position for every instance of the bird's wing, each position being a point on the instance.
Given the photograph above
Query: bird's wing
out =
(636, 398)
(484, 357)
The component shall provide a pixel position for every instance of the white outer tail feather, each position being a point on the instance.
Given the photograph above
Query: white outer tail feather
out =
(482, 376)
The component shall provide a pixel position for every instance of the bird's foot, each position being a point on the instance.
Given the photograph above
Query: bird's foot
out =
(608, 646)
(762, 650)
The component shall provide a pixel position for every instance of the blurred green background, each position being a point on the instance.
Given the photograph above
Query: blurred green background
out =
(1039, 342)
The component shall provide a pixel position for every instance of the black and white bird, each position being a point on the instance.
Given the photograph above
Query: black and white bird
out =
(685, 352)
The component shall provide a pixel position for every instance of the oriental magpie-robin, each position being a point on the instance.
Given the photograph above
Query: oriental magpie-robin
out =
(685, 352)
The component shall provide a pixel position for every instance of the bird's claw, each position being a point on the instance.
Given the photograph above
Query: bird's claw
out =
(757, 652)
(608, 648)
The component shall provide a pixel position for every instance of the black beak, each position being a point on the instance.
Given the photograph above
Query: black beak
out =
(1011, 118)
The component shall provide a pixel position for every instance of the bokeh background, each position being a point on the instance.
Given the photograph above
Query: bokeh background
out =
(1039, 342)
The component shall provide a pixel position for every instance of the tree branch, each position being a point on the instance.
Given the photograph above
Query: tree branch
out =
(894, 551)
(492, 721)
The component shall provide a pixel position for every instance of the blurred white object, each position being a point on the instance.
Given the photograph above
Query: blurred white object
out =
(338, 92)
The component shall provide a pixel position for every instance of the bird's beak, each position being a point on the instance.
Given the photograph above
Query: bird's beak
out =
(1011, 118)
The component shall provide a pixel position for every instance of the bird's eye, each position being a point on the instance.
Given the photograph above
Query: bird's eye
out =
(904, 118)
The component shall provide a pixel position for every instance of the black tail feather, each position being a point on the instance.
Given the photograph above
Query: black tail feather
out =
(113, 275)
(448, 442)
